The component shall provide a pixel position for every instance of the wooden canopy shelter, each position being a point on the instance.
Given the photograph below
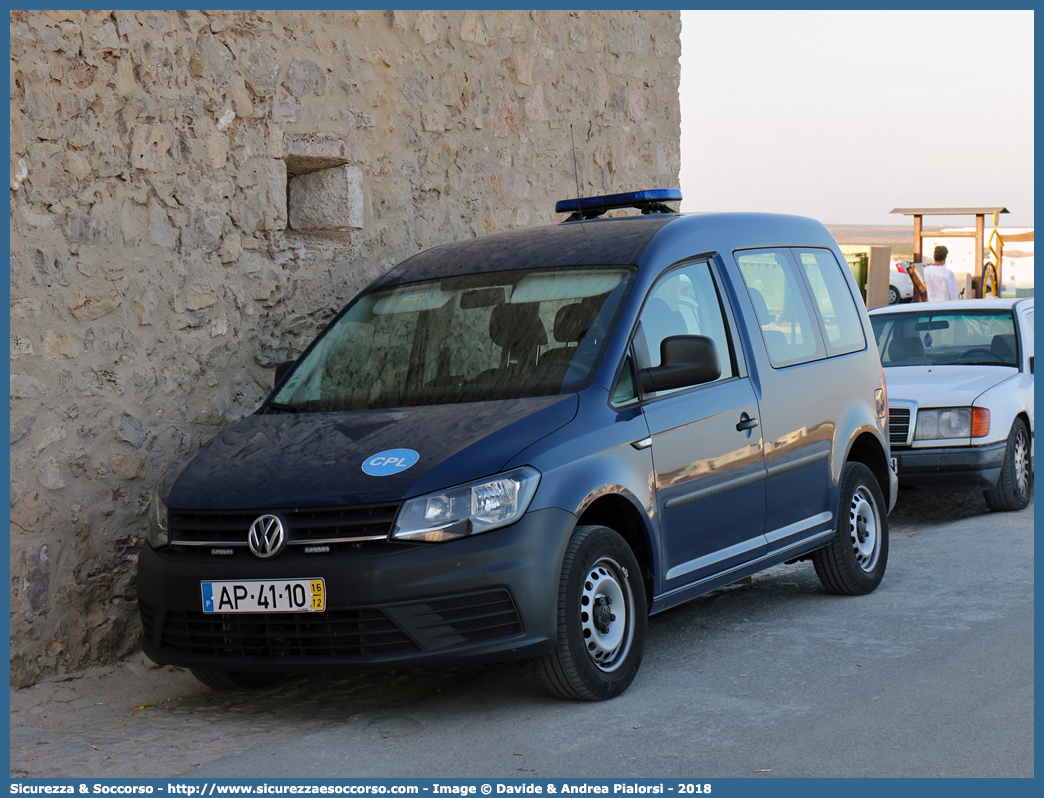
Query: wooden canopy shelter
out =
(978, 235)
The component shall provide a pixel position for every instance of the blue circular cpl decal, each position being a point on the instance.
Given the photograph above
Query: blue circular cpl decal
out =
(390, 461)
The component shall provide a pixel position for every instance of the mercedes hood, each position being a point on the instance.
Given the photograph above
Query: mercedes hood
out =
(944, 386)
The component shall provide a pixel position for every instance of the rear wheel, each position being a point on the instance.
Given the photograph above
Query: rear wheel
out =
(854, 562)
(893, 295)
(1016, 479)
(602, 618)
(233, 680)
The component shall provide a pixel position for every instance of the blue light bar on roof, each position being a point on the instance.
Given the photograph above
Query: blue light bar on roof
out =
(629, 199)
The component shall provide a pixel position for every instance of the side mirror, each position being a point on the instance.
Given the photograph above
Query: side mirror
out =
(684, 360)
(281, 369)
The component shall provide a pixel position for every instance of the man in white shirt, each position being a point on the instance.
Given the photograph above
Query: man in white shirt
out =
(938, 278)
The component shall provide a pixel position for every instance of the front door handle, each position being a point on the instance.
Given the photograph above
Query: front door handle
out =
(746, 422)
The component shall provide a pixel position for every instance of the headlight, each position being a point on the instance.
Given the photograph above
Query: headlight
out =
(944, 422)
(467, 509)
(156, 531)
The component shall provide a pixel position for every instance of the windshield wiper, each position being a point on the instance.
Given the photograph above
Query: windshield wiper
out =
(279, 407)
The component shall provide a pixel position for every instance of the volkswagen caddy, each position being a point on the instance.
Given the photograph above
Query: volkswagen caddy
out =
(520, 446)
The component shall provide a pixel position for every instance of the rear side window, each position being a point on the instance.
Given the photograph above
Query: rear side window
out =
(781, 306)
(837, 309)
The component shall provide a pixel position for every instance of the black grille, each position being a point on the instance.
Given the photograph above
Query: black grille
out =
(311, 524)
(148, 619)
(345, 634)
(362, 633)
(898, 425)
(458, 620)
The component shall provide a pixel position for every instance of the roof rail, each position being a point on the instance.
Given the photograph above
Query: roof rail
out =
(648, 201)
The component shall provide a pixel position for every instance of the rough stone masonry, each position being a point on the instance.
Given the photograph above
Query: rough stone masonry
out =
(194, 194)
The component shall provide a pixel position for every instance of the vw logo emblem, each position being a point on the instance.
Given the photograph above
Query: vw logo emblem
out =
(266, 537)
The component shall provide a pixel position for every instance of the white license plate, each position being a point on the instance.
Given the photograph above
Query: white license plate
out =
(895, 465)
(265, 595)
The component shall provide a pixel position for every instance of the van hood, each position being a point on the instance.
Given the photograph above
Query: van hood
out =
(944, 386)
(313, 459)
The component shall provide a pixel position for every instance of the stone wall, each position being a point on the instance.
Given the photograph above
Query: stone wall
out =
(193, 194)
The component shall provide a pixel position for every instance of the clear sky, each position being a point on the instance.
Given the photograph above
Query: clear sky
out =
(844, 115)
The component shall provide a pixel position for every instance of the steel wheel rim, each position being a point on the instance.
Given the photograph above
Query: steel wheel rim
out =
(606, 606)
(864, 529)
(1021, 464)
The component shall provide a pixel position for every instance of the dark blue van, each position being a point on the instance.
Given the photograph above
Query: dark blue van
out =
(520, 446)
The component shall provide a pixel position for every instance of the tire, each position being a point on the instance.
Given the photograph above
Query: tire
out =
(233, 680)
(854, 562)
(893, 295)
(1016, 479)
(597, 655)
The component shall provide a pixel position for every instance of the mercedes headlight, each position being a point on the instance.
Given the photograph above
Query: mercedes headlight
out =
(943, 422)
(467, 509)
(156, 530)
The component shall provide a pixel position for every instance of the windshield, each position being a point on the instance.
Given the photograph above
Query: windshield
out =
(462, 339)
(970, 338)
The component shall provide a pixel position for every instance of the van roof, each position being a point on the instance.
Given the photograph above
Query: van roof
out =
(608, 242)
(598, 242)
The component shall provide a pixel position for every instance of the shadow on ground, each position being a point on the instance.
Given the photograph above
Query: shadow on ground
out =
(916, 510)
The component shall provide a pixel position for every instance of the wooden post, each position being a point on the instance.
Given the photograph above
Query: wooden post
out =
(877, 273)
(979, 243)
(920, 293)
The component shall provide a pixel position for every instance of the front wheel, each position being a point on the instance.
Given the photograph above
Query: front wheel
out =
(1016, 479)
(602, 618)
(854, 562)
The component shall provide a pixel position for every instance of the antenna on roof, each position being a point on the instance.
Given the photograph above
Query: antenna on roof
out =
(576, 173)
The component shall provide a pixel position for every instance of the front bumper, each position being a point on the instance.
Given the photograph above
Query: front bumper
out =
(951, 469)
(487, 598)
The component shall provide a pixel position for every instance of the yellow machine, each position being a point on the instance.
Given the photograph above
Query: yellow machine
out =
(991, 283)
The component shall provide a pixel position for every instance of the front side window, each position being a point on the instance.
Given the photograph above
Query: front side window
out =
(684, 301)
(462, 339)
(780, 306)
(927, 338)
